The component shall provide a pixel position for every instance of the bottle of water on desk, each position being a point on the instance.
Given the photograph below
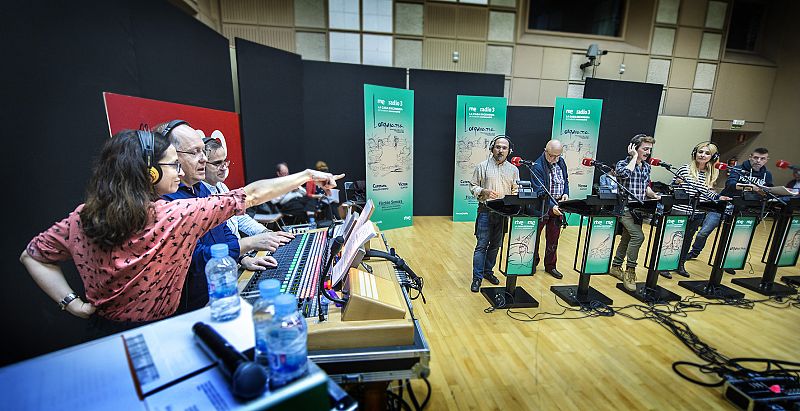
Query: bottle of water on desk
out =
(288, 338)
(221, 272)
(263, 314)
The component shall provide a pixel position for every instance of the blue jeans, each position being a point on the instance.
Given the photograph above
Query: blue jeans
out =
(709, 224)
(489, 233)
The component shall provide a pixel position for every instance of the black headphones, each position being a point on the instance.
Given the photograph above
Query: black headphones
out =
(171, 126)
(510, 143)
(148, 141)
(714, 157)
(637, 139)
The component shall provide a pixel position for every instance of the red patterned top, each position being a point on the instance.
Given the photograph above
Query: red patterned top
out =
(142, 279)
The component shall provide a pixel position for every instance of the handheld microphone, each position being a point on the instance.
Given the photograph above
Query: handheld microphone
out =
(657, 162)
(785, 164)
(248, 379)
(518, 160)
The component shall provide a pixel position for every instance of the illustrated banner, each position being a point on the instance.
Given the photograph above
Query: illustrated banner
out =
(521, 245)
(389, 141)
(600, 245)
(576, 123)
(742, 235)
(671, 242)
(478, 120)
(791, 245)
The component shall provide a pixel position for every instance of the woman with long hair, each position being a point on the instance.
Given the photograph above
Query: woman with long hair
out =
(697, 178)
(132, 249)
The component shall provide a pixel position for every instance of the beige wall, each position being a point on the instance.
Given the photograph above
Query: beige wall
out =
(676, 43)
(675, 137)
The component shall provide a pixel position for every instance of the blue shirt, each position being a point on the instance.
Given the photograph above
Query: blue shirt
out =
(195, 291)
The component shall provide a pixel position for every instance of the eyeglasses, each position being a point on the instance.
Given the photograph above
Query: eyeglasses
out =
(220, 163)
(198, 153)
(175, 164)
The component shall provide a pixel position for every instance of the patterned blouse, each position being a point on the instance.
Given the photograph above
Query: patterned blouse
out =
(142, 279)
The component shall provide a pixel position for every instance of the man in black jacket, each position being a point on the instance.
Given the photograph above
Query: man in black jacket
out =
(551, 170)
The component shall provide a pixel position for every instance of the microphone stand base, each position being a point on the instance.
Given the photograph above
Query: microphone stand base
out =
(768, 289)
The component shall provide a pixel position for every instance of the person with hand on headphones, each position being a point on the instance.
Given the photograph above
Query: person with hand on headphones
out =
(697, 178)
(633, 173)
(492, 179)
(132, 249)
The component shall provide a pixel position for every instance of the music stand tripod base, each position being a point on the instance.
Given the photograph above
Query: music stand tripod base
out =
(714, 291)
(770, 289)
(791, 280)
(501, 298)
(569, 293)
(655, 295)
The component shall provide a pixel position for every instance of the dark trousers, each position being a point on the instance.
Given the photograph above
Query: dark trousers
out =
(552, 224)
(489, 229)
(694, 224)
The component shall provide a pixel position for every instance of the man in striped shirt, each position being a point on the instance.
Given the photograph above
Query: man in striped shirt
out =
(491, 179)
(633, 173)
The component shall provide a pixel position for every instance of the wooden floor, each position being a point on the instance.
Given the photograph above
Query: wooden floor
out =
(491, 362)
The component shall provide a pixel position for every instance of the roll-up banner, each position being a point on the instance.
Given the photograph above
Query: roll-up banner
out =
(478, 120)
(576, 123)
(389, 141)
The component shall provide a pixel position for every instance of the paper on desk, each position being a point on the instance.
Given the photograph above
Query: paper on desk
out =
(165, 351)
(206, 391)
(92, 376)
(359, 237)
(781, 191)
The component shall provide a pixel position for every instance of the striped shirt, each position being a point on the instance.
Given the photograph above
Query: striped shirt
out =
(501, 178)
(636, 181)
(693, 186)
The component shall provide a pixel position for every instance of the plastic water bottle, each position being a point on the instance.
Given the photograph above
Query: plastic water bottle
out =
(288, 338)
(221, 273)
(263, 314)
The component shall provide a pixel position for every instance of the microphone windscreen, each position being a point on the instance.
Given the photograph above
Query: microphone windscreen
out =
(654, 161)
(516, 161)
(587, 162)
(783, 164)
(720, 166)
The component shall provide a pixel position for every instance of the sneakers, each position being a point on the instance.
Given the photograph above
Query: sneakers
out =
(629, 279)
(476, 286)
(682, 270)
(616, 272)
(492, 279)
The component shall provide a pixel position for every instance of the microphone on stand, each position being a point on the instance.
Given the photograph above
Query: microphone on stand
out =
(657, 162)
(722, 167)
(785, 164)
(589, 162)
(518, 160)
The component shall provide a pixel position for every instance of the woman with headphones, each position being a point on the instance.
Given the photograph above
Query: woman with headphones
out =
(132, 249)
(697, 178)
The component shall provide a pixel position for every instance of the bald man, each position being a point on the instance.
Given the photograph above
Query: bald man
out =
(552, 172)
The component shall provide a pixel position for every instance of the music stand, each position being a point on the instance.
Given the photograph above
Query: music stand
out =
(783, 246)
(519, 245)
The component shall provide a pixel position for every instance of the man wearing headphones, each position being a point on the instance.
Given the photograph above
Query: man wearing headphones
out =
(492, 179)
(633, 173)
(552, 172)
(193, 160)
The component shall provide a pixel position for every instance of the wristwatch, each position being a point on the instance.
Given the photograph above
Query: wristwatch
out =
(65, 302)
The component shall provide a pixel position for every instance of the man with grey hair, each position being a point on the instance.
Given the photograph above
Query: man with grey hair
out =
(551, 171)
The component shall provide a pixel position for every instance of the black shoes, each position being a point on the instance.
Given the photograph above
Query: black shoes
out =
(555, 273)
(476, 286)
(691, 256)
(492, 279)
(730, 271)
(665, 274)
(682, 270)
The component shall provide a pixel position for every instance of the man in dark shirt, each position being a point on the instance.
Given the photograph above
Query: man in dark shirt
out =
(551, 170)
(193, 159)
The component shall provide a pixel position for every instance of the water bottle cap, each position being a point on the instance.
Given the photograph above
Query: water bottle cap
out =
(269, 288)
(219, 250)
(285, 304)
